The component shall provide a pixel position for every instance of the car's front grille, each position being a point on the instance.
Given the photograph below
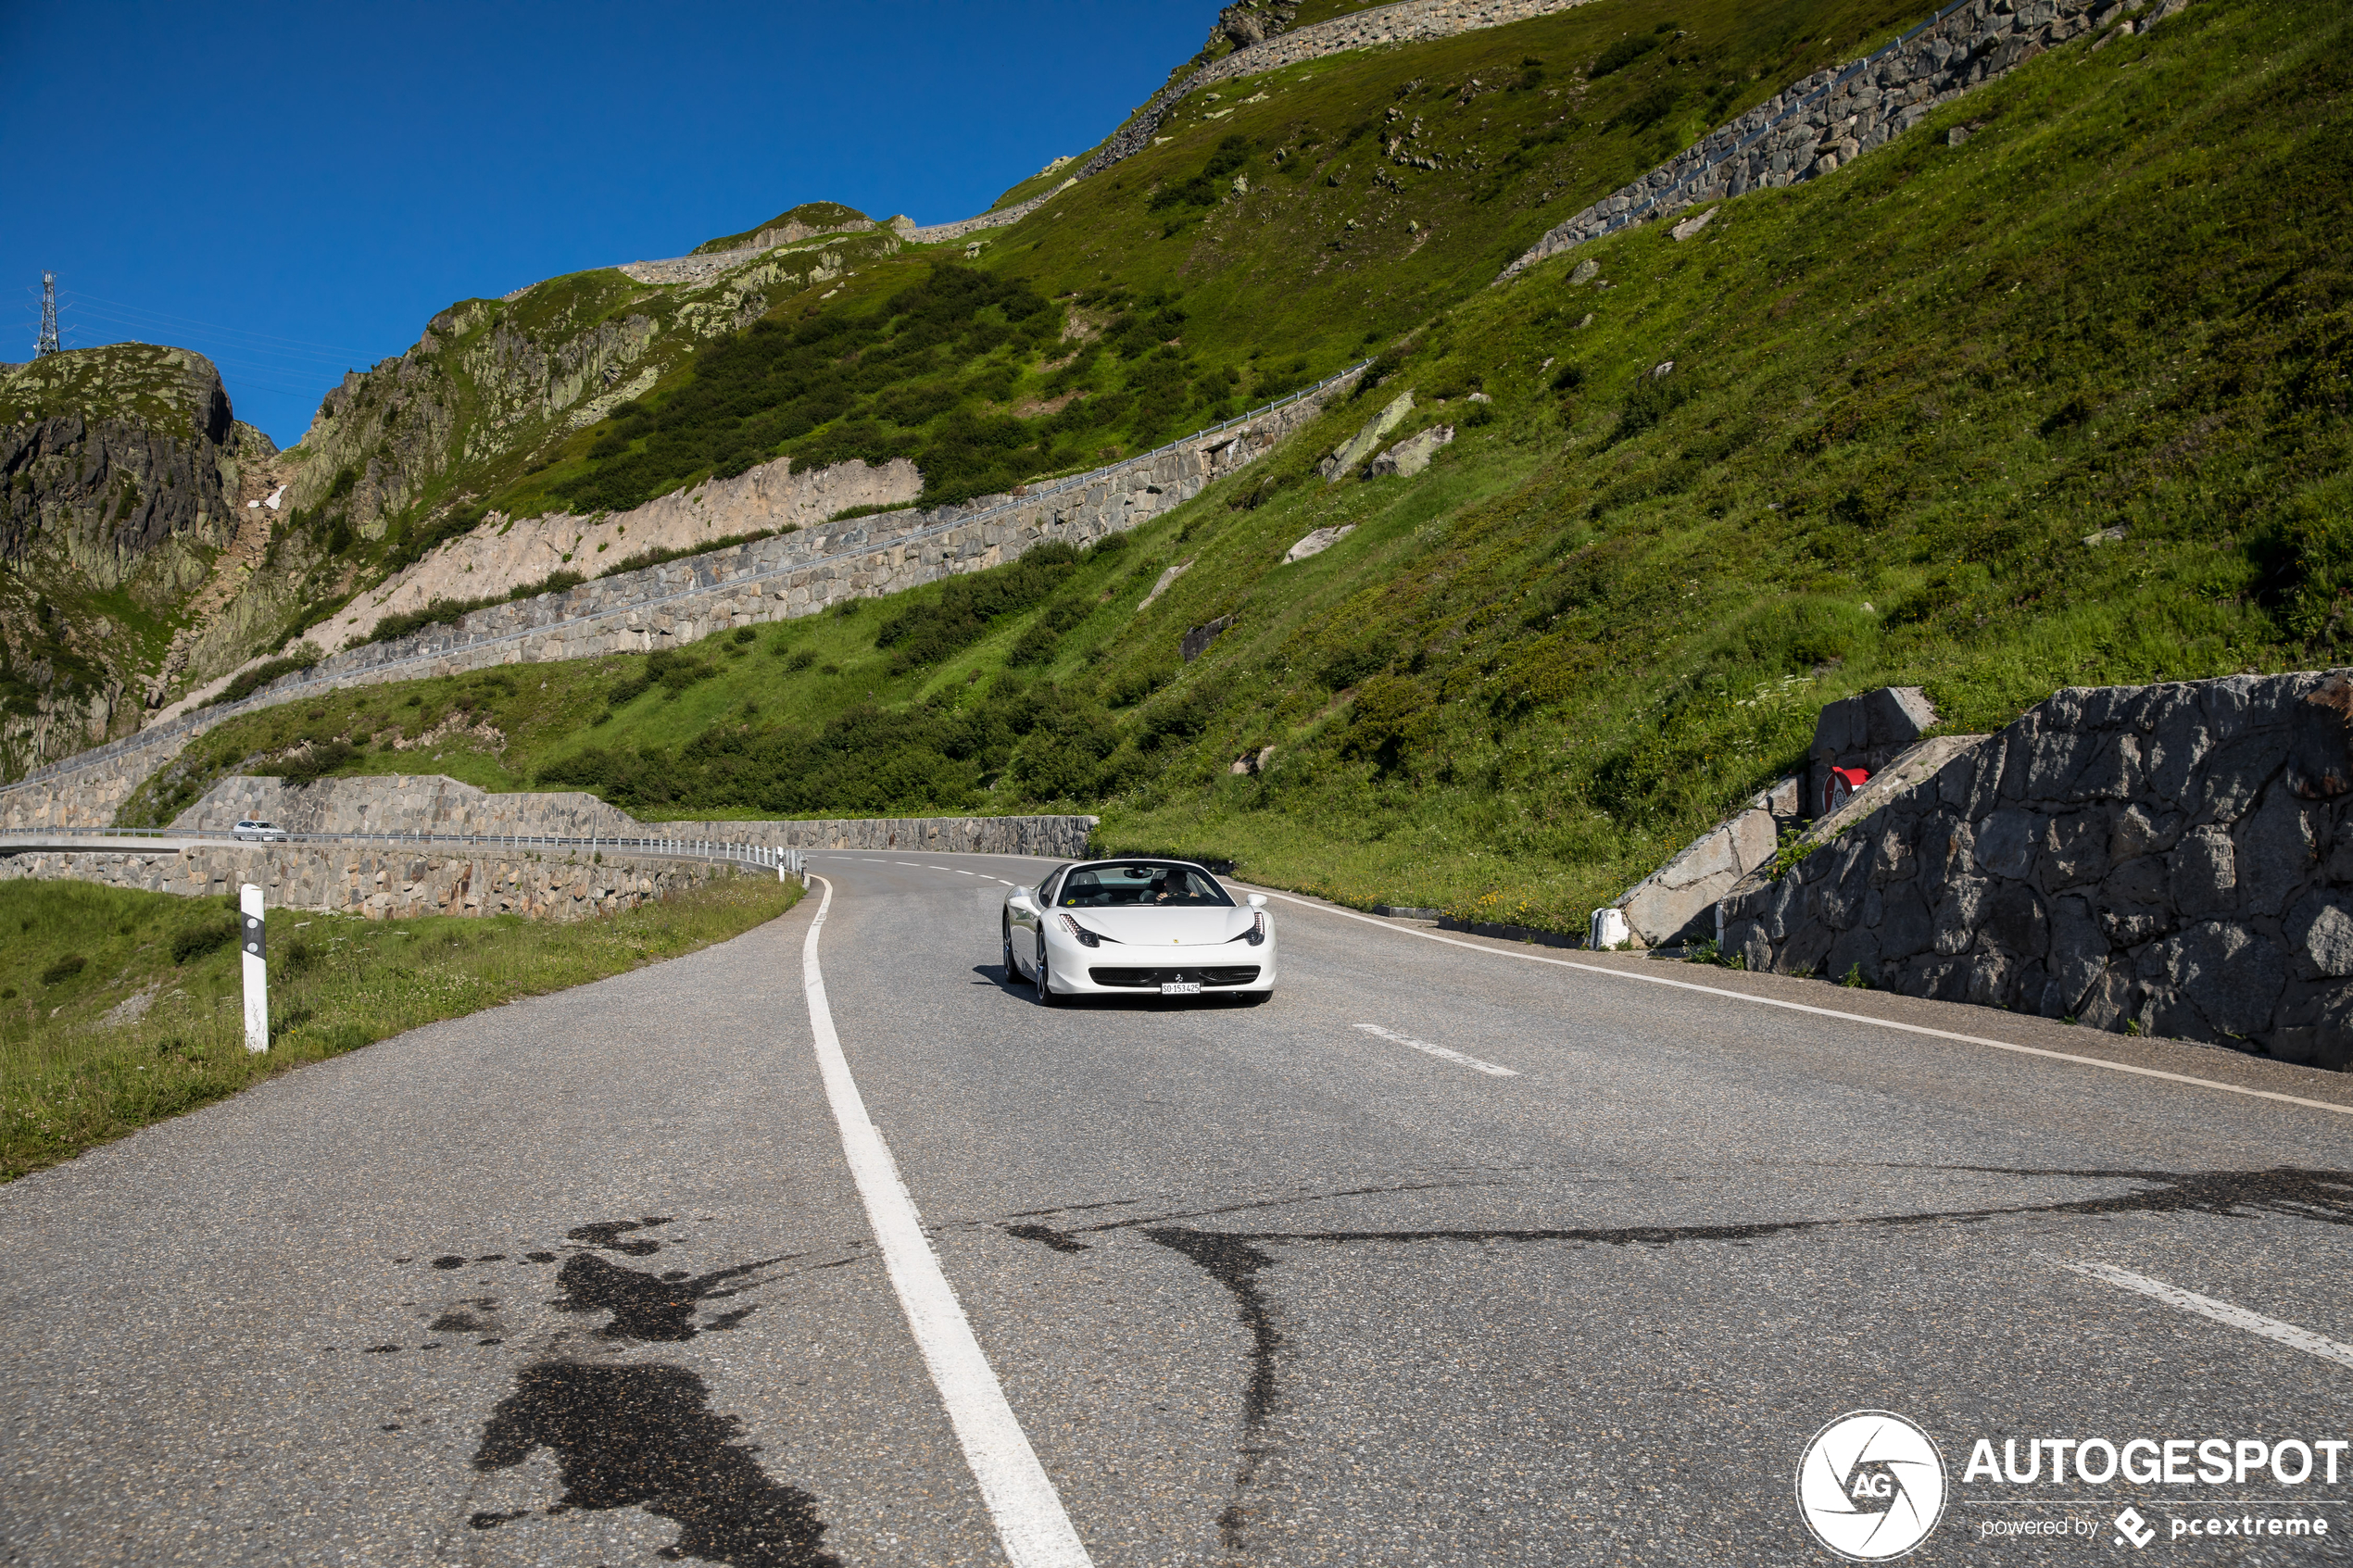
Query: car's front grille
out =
(1152, 979)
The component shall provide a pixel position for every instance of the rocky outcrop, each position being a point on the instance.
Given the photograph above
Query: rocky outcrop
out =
(1346, 458)
(1836, 114)
(120, 472)
(389, 885)
(490, 378)
(1412, 455)
(2176, 859)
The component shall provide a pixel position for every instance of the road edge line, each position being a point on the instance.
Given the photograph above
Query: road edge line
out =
(1028, 1512)
(1824, 1012)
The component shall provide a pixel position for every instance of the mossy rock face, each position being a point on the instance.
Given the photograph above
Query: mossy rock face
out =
(173, 392)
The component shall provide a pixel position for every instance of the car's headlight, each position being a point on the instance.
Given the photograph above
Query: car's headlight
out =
(1086, 938)
(1257, 933)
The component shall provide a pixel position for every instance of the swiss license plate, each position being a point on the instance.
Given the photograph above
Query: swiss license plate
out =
(1180, 988)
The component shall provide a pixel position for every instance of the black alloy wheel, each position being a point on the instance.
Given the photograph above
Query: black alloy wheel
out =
(1013, 970)
(1046, 996)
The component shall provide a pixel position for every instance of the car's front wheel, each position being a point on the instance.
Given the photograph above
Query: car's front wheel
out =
(1046, 996)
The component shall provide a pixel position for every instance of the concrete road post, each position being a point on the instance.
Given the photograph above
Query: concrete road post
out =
(256, 971)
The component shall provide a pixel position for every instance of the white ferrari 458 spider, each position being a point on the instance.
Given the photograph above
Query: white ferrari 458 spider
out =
(1121, 928)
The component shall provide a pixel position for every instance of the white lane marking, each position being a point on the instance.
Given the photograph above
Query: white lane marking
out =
(2173, 1295)
(1470, 1061)
(1030, 1522)
(910, 865)
(1824, 1012)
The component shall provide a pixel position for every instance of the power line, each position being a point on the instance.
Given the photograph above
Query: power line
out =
(340, 349)
(290, 356)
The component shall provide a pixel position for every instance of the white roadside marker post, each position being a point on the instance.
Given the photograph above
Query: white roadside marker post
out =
(256, 971)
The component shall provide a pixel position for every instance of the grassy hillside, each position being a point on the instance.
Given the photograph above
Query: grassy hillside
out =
(1900, 399)
(120, 1007)
(1277, 226)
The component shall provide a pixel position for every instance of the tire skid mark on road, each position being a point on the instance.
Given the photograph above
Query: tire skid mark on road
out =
(1234, 1264)
(1237, 1259)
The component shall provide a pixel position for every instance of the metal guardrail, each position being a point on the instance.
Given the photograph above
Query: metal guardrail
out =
(786, 862)
(291, 687)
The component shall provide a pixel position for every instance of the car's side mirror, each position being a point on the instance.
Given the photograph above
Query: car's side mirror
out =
(1020, 895)
(1257, 901)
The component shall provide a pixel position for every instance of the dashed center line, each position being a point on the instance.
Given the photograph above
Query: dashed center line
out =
(1843, 1017)
(2173, 1295)
(1454, 1055)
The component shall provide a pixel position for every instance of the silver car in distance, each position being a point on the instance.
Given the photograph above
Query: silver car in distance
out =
(1137, 926)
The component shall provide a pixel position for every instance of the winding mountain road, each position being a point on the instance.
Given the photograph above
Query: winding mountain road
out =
(1449, 1254)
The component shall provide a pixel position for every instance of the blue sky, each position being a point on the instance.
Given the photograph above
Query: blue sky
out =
(294, 189)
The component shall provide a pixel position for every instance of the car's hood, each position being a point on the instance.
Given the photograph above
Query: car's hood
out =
(1164, 928)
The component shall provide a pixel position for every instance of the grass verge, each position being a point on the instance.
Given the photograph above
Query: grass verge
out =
(120, 1008)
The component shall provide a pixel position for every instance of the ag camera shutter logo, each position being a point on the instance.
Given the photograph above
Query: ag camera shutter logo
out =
(1870, 1486)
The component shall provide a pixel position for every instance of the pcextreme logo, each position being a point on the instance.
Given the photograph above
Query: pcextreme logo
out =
(1870, 1486)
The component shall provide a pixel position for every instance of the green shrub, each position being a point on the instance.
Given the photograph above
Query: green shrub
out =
(1203, 188)
(415, 539)
(195, 941)
(64, 969)
(931, 629)
(260, 675)
(324, 757)
(675, 669)
(1625, 51)
(440, 612)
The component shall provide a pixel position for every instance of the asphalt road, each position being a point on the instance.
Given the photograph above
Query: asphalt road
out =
(587, 1279)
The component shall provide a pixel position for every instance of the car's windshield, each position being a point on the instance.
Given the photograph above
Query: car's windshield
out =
(1141, 885)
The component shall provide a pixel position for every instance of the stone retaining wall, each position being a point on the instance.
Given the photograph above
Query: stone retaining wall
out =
(500, 554)
(932, 234)
(782, 578)
(404, 803)
(1837, 114)
(432, 803)
(383, 885)
(1049, 838)
(2176, 858)
(707, 265)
